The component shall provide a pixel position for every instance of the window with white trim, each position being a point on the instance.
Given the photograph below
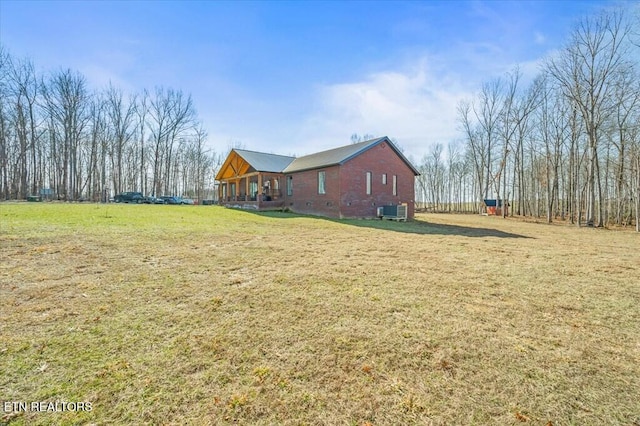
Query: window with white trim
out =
(321, 182)
(384, 178)
(289, 185)
(368, 183)
(395, 185)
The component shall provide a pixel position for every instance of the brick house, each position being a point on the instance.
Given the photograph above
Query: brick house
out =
(346, 182)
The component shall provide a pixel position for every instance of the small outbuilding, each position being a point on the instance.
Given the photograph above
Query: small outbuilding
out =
(494, 207)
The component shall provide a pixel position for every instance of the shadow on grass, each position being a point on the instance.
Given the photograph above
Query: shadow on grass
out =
(410, 227)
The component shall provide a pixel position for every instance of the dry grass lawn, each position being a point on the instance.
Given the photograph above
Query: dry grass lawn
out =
(203, 315)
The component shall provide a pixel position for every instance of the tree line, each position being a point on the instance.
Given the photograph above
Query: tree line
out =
(564, 146)
(60, 139)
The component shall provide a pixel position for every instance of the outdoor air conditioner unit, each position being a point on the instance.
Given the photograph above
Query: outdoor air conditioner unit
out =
(380, 212)
(402, 212)
(394, 211)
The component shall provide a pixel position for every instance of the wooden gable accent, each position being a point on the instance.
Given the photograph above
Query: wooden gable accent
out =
(234, 166)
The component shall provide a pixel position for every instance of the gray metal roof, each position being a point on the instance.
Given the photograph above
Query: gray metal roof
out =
(339, 156)
(265, 162)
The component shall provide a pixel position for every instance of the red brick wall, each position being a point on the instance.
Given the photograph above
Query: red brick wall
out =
(378, 160)
(305, 198)
(346, 186)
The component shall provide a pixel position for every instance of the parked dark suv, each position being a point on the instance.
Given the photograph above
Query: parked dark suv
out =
(129, 197)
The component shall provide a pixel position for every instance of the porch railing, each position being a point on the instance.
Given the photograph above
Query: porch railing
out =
(273, 195)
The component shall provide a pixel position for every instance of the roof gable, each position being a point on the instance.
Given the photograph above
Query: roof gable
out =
(240, 161)
(341, 155)
(265, 162)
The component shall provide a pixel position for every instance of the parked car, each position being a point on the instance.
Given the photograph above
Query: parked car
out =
(188, 201)
(129, 197)
(171, 199)
(154, 200)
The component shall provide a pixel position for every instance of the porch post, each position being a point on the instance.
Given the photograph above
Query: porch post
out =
(259, 194)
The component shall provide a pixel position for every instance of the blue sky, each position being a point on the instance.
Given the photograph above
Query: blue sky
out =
(298, 77)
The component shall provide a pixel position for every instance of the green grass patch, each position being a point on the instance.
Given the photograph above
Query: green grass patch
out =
(206, 315)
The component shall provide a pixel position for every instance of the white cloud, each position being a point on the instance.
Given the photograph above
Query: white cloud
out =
(416, 106)
(414, 103)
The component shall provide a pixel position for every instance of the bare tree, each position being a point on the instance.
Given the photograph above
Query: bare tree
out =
(5, 128)
(635, 176)
(142, 110)
(171, 115)
(437, 176)
(476, 147)
(65, 102)
(626, 113)
(202, 161)
(96, 172)
(121, 115)
(553, 129)
(24, 88)
(585, 71)
(488, 118)
(453, 159)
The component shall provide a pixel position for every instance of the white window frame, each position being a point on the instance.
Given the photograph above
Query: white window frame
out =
(368, 182)
(289, 186)
(321, 182)
(395, 185)
(384, 178)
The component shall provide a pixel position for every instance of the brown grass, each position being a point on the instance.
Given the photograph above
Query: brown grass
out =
(201, 315)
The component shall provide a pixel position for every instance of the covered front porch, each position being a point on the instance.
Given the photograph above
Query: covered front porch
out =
(257, 190)
(252, 180)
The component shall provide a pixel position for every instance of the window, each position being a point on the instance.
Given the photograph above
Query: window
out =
(368, 183)
(384, 178)
(395, 185)
(321, 188)
(289, 185)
